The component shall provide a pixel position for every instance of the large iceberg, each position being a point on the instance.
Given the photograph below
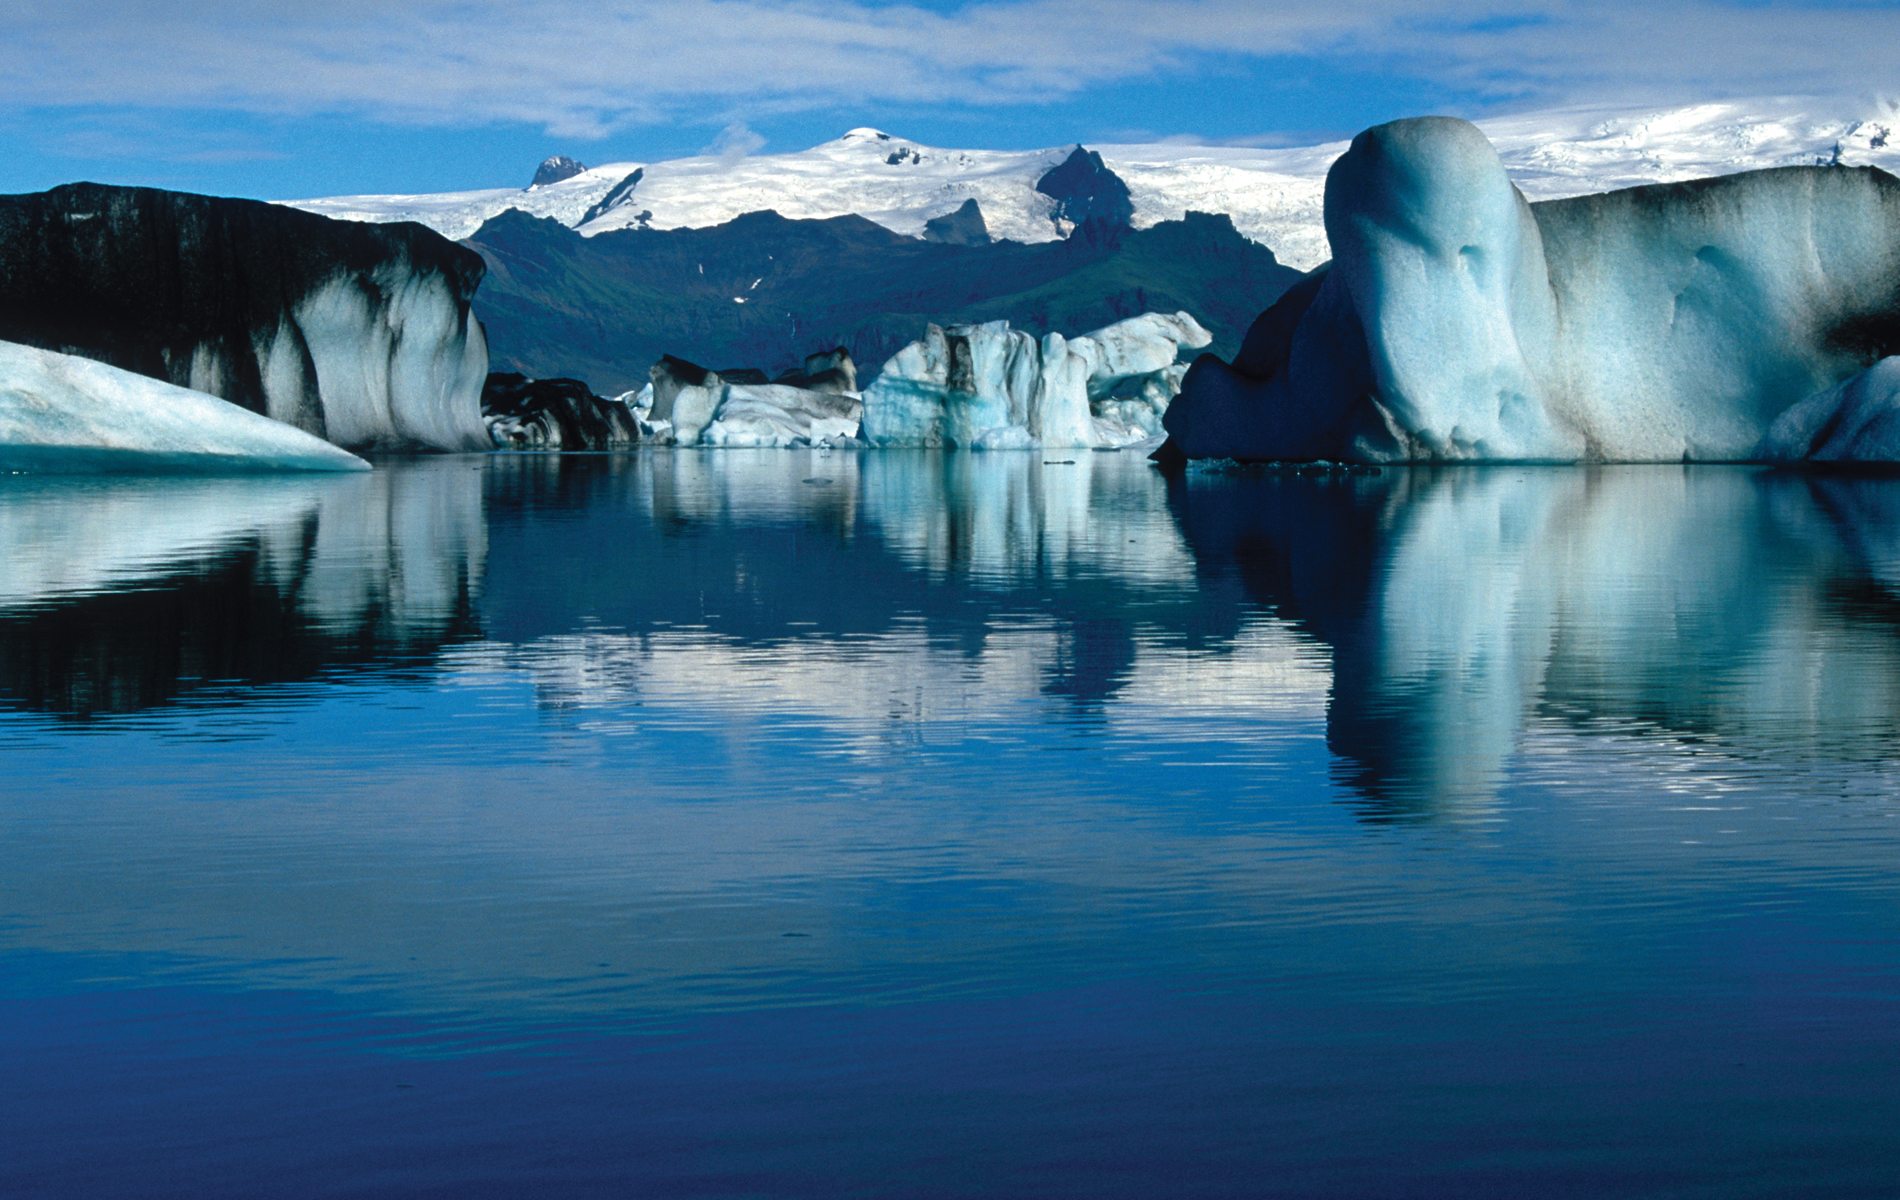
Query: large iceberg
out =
(777, 414)
(59, 413)
(359, 334)
(990, 386)
(1457, 321)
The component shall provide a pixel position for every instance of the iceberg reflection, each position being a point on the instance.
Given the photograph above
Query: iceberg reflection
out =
(120, 593)
(659, 711)
(1458, 627)
(1467, 606)
(837, 583)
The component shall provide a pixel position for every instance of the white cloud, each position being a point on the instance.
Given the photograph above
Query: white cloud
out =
(735, 141)
(582, 68)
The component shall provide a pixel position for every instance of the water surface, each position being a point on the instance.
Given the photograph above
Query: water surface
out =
(810, 824)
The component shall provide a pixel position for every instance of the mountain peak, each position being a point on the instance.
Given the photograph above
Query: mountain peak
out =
(1084, 188)
(555, 169)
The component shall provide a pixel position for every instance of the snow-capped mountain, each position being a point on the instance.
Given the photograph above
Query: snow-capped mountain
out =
(897, 183)
(1272, 194)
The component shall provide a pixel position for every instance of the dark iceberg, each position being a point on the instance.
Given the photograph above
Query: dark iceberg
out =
(360, 334)
(554, 414)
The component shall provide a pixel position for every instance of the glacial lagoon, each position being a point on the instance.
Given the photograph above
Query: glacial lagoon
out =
(785, 823)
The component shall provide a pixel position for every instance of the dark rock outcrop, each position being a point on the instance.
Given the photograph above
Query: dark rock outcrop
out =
(617, 197)
(671, 376)
(827, 371)
(554, 414)
(360, 334)
(964, 227)
(1083, 188)
(555, 169)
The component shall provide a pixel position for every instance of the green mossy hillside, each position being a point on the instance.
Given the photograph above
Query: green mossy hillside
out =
(764, 291)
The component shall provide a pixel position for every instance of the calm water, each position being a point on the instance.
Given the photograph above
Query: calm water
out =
(785, 824)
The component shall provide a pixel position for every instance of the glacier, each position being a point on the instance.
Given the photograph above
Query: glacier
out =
(63, 414)
(992, 387)
(361, 335)
(1458, 321)
(1273, 194)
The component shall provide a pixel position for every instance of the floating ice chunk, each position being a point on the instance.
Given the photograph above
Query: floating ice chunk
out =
(1005, 437)
(1136, 349)
(1445, 267)
(693, 408)
(554, 414)
(59, 413)
(776, 414)
(970, 385)
(1857, 420)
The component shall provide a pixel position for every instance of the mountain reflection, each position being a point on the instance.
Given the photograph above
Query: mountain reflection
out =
(1466, 607)
(119, 594)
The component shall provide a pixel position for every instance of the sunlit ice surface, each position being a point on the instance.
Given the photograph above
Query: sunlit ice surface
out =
(906, 823)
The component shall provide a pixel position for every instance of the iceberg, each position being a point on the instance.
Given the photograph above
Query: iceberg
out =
(554, 414)
(362, 335)
(777, 414)
(1458, 322)
(992, 387)
(61, 413)
(687, 405)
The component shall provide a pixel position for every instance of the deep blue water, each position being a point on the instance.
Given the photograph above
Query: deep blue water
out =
(737, 824)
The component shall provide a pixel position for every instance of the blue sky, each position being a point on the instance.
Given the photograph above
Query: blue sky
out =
(342, 96)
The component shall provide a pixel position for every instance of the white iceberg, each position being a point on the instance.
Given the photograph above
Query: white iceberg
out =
(993, 387)
(385, 358)
(776, 414)
(696, 407)
(59, 413)
(1459, 322)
